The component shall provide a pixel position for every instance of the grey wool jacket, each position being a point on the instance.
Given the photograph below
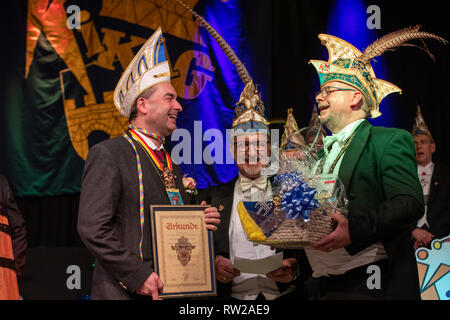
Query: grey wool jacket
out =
(108, 217)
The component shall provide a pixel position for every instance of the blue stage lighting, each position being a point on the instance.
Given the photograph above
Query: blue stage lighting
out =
(348, 21)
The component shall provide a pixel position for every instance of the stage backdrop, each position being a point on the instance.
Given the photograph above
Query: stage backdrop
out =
(60, 88)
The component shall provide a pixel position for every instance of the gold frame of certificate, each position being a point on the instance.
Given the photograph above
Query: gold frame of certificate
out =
(183, 251)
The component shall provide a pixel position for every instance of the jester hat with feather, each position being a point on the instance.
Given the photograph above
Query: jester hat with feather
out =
(250, 108)
(349, 65)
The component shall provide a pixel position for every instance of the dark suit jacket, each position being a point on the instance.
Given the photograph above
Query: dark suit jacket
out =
(108, 218)
(17, 227)
(223, 195)
(380, 176)
(438, 211)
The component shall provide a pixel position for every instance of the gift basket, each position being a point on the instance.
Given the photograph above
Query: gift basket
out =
(299, 213)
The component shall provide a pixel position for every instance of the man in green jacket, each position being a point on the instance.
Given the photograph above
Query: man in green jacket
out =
(368, 255)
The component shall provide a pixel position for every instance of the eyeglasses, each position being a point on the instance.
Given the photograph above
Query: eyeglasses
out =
(245, 146)
(326, 91)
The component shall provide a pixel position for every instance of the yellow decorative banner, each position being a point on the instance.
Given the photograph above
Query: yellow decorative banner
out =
(103, 43)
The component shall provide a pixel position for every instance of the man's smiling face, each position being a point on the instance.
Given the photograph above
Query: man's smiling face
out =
(162, 109)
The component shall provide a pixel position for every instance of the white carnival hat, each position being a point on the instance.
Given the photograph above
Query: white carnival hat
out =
(149, 67)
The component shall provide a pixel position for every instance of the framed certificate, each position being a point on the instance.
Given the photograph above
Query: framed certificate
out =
(183, 251)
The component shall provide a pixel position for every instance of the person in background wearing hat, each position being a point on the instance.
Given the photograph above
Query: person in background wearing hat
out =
(368, 255)
(434, 178)
(16, 226)
(125, 175)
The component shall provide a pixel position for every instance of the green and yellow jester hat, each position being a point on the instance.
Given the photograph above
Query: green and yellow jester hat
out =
(349, 65)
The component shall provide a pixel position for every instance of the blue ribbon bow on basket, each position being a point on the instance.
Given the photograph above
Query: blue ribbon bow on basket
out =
(297, 197)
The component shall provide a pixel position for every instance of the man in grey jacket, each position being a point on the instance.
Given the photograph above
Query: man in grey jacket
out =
(125, 175)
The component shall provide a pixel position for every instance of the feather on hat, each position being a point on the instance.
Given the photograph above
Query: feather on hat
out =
(250, 108)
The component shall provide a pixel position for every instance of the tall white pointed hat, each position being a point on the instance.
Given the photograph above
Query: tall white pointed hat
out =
(149, 67)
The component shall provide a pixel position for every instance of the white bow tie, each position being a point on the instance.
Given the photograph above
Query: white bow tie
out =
(259, 183)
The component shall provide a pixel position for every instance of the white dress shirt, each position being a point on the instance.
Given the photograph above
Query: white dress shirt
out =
(339, 261)
(425, 174)
(247, 286)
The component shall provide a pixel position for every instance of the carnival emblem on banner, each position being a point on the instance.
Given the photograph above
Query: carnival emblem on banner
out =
(97, 50)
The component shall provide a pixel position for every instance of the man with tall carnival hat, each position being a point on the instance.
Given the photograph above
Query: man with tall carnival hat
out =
(123, 176)
(368, 255)
(251, 148)
(434, 177)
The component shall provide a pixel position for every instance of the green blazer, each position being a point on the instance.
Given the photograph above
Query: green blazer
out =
(379, 173)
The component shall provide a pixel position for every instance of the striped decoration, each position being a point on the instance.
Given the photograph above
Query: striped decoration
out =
(148, 133)
(141, 192)
(151, 153)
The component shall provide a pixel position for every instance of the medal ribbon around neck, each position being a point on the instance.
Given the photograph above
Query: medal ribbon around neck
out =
(148, 133)
(140, 177)
(141, 192)
(347, 142)
(152, 153)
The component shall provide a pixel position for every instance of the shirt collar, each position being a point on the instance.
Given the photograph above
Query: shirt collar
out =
(341, 136)
(149, 141)
(345, 133)
(428, 169)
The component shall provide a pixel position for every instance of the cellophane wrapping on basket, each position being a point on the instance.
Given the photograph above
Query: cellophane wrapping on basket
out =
(299, 214)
